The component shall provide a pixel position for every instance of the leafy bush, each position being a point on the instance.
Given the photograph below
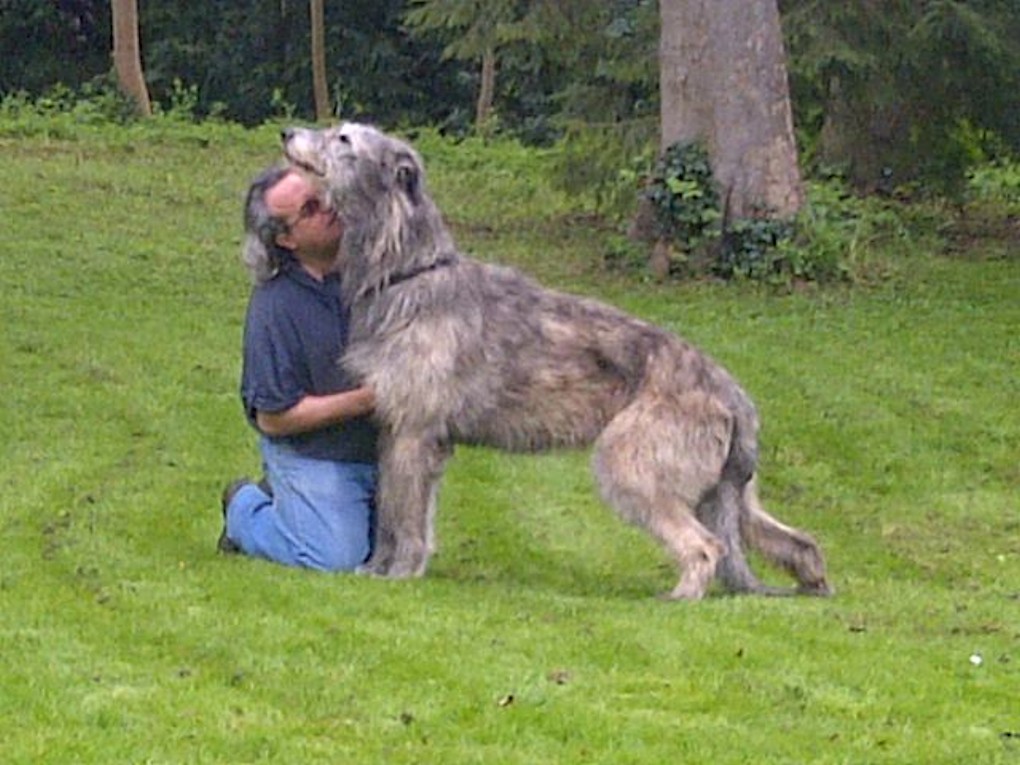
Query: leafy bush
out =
(99, 109)
(683, 195)
(837, 236)
(752, 249)
(997, 183)
(97, 103)
(604, 165)
(687, 211)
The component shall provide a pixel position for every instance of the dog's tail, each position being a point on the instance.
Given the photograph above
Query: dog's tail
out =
(742, 523)
(729, 514)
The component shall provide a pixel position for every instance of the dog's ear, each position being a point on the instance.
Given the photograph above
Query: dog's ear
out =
(408, 177)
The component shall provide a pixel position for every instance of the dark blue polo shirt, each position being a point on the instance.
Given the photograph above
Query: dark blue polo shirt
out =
(294, 334)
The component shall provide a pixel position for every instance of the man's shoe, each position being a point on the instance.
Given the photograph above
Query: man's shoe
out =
(225, 544)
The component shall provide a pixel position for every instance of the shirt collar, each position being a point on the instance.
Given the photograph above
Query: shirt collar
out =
(290, 266)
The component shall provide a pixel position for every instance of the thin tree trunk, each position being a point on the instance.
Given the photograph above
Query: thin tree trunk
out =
(486, 92)
(127, 60)
(319, 85)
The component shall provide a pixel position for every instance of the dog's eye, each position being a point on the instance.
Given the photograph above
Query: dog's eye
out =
(343, 139)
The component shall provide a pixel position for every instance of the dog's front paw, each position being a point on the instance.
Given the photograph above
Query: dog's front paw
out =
(406, 566)
(377, 565)
(390, 570)
(405, 569)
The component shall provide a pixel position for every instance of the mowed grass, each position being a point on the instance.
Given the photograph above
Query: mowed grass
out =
(891, 432)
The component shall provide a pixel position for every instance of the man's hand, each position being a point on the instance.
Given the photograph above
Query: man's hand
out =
(315, 412)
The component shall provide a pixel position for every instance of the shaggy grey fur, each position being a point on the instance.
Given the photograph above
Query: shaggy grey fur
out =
(463, 352)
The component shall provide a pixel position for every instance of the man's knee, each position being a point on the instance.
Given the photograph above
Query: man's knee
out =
(344, 555)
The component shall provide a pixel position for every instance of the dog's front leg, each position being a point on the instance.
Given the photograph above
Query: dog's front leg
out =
(410, 466)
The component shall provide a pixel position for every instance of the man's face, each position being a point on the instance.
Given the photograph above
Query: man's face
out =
(311, 228)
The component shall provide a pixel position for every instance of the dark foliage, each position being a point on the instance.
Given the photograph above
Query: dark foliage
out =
(683, 195)
(247, 59)
(45, 43)
(904, 96)
(901, 98)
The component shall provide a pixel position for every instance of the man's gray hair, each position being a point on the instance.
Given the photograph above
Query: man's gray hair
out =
(260, 253)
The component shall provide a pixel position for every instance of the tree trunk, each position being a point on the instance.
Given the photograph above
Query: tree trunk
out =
(127, 60)
(487, 91)
(319, 86)
(723, 81)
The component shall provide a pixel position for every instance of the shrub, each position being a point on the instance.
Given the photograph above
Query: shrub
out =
(996, 183)
(683, 195)
(99, 109)
(605, 165)
(837, 236)
(687, 211)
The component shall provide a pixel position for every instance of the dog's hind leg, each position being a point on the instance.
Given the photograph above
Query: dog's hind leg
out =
(410, 467)
(695, 549)
(784, 546)
(653, 463)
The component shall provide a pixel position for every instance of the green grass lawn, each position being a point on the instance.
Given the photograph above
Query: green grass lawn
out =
(891, 432)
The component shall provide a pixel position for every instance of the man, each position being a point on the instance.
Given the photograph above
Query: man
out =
(318, 445)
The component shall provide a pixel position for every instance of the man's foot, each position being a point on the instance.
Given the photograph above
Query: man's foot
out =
(225, 544)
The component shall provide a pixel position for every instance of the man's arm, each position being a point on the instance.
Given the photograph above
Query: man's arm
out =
(314, 412)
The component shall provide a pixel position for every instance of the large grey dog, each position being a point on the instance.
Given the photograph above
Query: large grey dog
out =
(464, 352)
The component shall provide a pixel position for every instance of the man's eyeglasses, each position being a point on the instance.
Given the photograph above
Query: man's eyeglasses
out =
(309, 209)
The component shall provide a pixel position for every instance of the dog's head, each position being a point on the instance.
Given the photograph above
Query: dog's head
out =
(376, 182)
(355, 162)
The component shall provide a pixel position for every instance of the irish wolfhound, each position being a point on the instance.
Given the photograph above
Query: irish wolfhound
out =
(464, 352)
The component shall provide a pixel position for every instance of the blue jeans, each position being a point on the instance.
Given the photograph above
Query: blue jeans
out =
(319, 516)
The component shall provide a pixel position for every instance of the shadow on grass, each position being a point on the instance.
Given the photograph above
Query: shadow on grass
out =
(531, 566)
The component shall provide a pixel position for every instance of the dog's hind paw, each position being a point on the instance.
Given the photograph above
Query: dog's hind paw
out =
(821, 589)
